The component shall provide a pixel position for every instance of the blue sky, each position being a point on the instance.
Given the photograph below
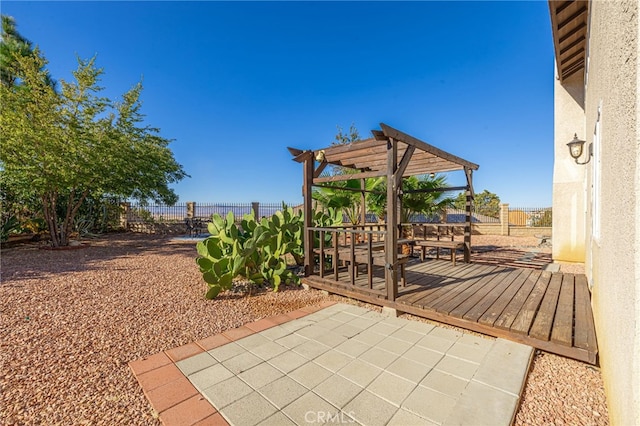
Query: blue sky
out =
(234, 84)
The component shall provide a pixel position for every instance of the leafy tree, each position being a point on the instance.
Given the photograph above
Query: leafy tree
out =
(485, 203)
(63, 147)
(345, 139)
(13, 47)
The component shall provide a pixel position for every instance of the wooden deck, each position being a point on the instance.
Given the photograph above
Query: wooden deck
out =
(549, 311)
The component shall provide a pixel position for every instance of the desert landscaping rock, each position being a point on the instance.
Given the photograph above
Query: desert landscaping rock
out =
(71, 320)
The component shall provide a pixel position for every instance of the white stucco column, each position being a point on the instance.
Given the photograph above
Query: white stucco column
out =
(569, 178)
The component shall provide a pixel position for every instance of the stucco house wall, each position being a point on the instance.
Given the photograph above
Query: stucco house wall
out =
(609, 192)
(613, 182)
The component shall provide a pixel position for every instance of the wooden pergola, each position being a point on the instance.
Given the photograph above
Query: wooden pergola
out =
(391, 154)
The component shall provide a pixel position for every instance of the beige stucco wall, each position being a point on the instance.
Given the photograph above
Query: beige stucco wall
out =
(568, 178)
(613, 261)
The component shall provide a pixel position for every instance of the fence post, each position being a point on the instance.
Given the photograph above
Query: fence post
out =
(255, 206)
(504, 219)
(124, 215)
(191, 209)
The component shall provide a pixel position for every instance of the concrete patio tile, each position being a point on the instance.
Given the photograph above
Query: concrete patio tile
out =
(238, 333)
(395, 346)
(310, 375)
(407, 369)
(252, 341)
(173, 393)
(391, 388)
(352, 348)
(378, 357)
(260, 375)
(423, 356)
(331, 339)
(338, 390)
(445, 333)
(384, 328)
(223, 353)
(210, 376)
(311, 349)
(141, 366)
(457, 367)
(196, 363)
(370, 337)
(445, 383)
(275, 333)
(483, 405)
(363, 323)
(249, 411)
(242, 362)
(481, 343)
(419, 327)
(435, 343)
(311, 332)
(433, 406)
(282, 391)
(226, 392)
(347, 330)
(355, 310)
(268, 350)
(406, 418)
(160, 376)
(291, 340)
(343, 317)
(360, 372)
(309, 409)
(278, 419)
(333, 360)
(407, 335)
(213, 342)
(287, 361)
(329, 324)
(188, 412)
(184, 351)
(294, 326)
(506, 366)
(467, 352)
(370, 410)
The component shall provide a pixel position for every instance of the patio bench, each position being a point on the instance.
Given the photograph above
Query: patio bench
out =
(422, 245)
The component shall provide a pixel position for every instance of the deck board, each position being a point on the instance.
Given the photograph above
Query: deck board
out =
(549, 311)
(563, 323)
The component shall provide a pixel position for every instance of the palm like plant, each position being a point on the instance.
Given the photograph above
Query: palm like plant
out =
(413, 203)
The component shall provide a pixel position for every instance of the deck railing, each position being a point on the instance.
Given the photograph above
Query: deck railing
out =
(359, 246)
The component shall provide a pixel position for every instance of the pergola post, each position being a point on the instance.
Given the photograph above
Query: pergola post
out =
(467, 225)
(363, 202)
(391, 239)
(308, 214)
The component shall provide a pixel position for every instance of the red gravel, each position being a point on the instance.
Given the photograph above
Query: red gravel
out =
(70, 321)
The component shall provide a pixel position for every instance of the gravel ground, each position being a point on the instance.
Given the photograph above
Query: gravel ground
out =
(71, 320)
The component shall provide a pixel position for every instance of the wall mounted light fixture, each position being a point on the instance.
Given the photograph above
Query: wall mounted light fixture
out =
(320, 156)
(575, 149)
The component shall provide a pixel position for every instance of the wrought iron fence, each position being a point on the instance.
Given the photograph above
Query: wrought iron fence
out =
(160, 213)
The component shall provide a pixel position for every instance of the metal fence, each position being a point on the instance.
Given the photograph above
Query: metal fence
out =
(159, 213)
(534, 217)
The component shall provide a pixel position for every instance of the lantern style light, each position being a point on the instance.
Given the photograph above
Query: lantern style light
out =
(576, 146)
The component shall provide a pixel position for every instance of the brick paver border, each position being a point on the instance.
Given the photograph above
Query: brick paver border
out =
(172, 395)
